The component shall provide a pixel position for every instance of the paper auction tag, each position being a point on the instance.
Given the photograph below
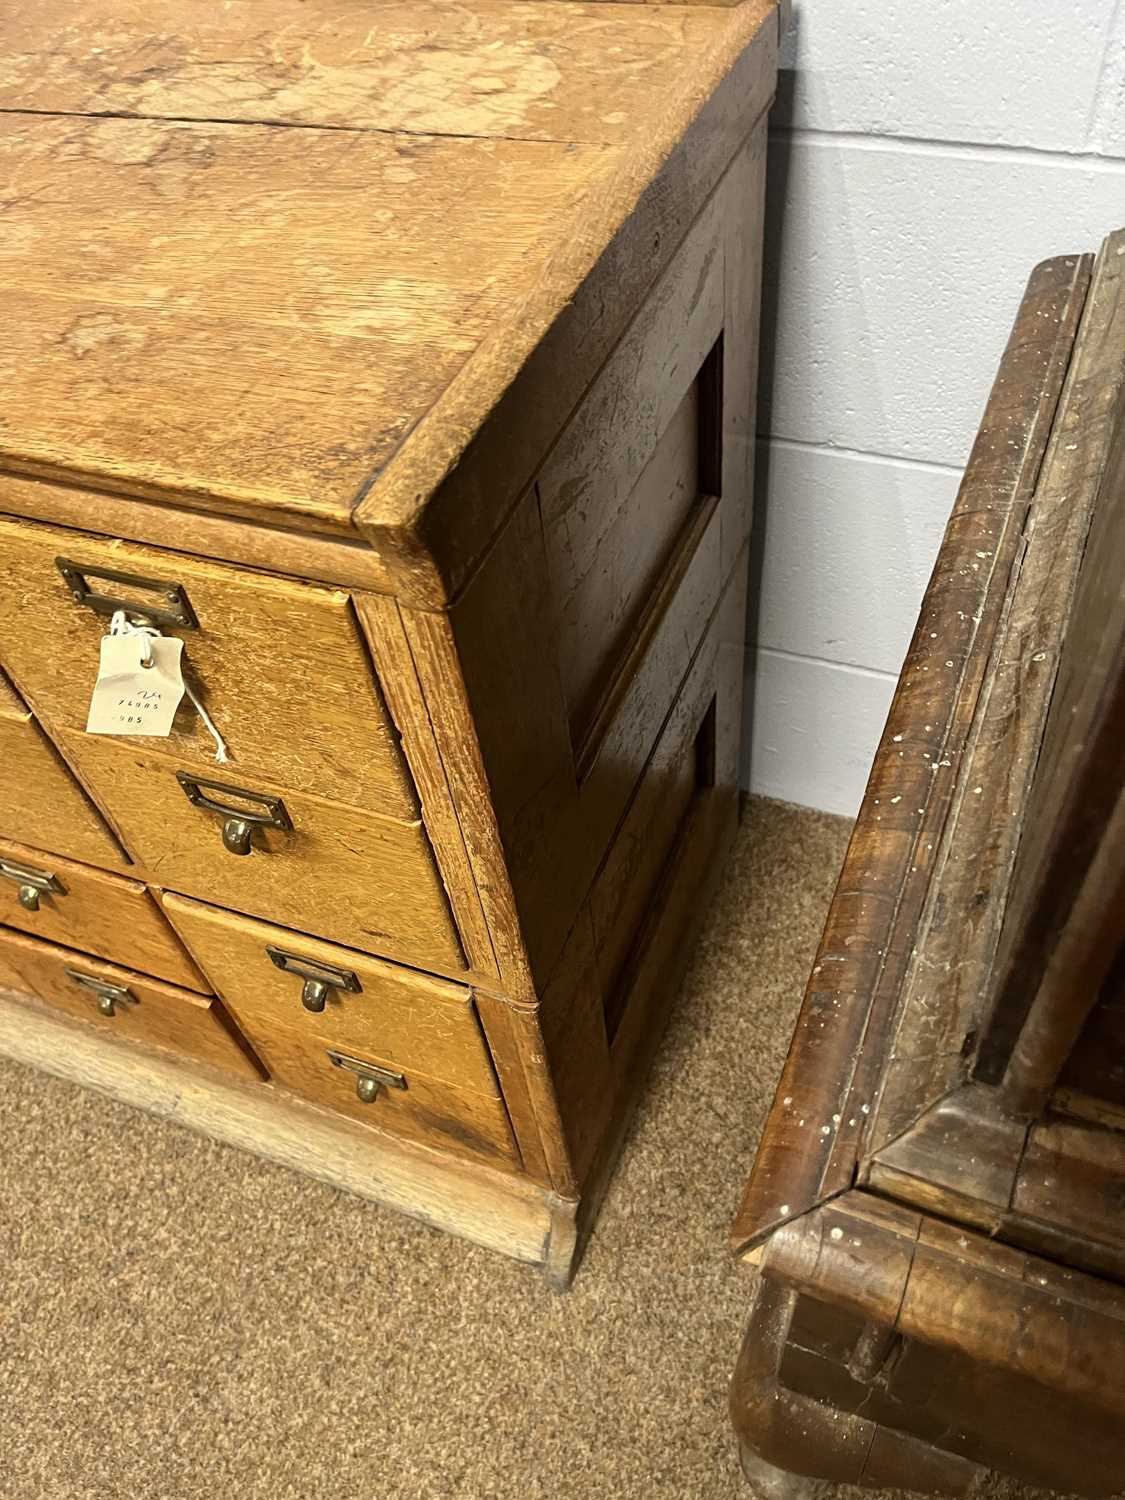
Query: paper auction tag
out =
(131, 697)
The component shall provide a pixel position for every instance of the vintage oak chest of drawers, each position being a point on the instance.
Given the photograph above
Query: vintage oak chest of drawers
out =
(399, 361)
(938, 1203)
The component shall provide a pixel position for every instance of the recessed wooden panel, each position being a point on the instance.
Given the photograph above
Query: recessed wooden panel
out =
(620, 487)
(155, 1014)
(99, 913)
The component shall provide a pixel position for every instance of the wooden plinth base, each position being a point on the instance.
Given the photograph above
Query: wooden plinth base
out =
(502, 1211)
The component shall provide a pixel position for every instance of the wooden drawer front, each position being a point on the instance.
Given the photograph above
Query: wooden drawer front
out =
(40, 801)
(282, 668)
(423, 1028)
(81, 907)
(134, 1008)
(362, 880)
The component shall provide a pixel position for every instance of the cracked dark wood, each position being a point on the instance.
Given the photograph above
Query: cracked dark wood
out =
(831, 1077)
(942, 1254)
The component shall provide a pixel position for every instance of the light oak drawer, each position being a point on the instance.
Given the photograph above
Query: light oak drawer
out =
(81, 907)
(124, 1004)
(282, 667)
(414, 1025)
(40, 801)
(362, 880)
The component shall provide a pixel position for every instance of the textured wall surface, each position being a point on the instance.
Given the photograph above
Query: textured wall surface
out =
(923, 158)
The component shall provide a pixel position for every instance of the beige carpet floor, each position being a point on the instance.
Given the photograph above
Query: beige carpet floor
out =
(181, 1320)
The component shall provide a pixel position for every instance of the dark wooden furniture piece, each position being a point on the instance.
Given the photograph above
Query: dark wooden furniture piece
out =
(938, 1203)
(398, 360)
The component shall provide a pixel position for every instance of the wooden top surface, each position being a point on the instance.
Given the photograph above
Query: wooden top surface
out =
(247, 247)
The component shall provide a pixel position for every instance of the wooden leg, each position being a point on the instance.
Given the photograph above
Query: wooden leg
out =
(771, 1483)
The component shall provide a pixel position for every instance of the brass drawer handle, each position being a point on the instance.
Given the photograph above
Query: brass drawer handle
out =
(238, 822)
(318, 977)
(31, 881)
(370, 1078)
(107, 995)
(174, 609)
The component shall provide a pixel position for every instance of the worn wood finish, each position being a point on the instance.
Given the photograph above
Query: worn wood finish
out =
(260, 658)
(159, 323)
(341, 560)
(974, 1306)
(356, 878)
(992, 1357)
(381, 622)
(943, 997)
(153, 1013)
(556, 72)
(809, 1148)
(519, 392)
(457, 193)
(437, 399)
(60, 818)
(496, 1208)
(409, 1023)
(404, 1019)
(107, 915)
(1093, 1080)
(1077, 786)
(560, 789)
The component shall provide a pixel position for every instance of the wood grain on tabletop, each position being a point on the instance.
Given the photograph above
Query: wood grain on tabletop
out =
(60, 818)
(477, 173)
(355, 878)
(159, 1014)
(279, 663)
(97, 912)
(860, 964)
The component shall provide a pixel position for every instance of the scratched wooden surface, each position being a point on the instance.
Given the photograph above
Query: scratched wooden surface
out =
(264, 353)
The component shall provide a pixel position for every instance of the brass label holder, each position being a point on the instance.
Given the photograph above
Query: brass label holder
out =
(172, 608)
(238, 822)
(319, 978)
(32, 882)
(370, 1078)
(107, 995)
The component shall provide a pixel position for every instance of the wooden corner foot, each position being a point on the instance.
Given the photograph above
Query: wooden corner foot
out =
(771, 1483)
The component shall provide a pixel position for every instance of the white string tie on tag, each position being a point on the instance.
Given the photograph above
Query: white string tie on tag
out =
(120, 624)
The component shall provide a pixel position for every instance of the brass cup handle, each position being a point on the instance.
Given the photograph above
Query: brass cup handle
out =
(238, 822)
(236, 835)
(314, 994)
(31, 882)
(319, 979)
(370, 1078)
(107, 995)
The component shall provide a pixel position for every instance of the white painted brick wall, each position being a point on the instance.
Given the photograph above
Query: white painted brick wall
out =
(924, 155)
